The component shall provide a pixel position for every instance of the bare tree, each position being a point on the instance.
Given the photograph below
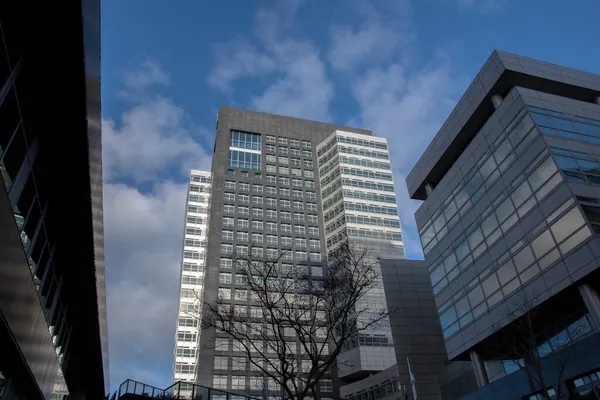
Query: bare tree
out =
(296, 324)
(533, 344)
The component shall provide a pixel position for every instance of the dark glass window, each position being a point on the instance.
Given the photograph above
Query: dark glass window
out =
(566, 163)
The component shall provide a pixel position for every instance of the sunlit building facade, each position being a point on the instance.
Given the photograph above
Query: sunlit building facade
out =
(357, 198)
(187, 335)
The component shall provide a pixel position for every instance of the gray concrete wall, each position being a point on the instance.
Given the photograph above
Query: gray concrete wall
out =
(415, 324)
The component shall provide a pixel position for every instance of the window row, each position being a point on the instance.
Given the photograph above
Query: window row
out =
(290, 151)
(244, 174)
(229, 222)
(243, 159)
(244, 140)
(284, 141)
(577, 169)
(273, 214)
(199, 189)
(258, 238)
(284, 181)
(478, 180)
(349, 140)
(196, 198)
(496, 220)
(200, 179)
(285, 269)
(258, 346)
(515, 268)
(567, 126)
(269, 253)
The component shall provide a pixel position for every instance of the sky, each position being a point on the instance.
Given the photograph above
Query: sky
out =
(396, 67)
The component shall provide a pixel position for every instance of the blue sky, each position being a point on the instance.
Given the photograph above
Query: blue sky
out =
(396, 67)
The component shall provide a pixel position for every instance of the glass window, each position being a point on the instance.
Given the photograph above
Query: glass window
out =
(475, 295)
(563, 124)
(542, 119)
(521, 194)
(475, 238)
(220, 381)
(519, 132)
(437, 275)
(489, 225)
(257, 225)
(523, 259)
(504, 209)
(574, 240)
(542, 173)
(220, 362)
(490, 285)
(506, 272)
(589, 167)
(542, 244)
(448, 317)
(462, 306)
(224, 277)
(567, 224)
(566, 163)
(257, 238)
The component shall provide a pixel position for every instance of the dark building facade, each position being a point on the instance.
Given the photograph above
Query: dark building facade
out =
(418, 337)
(415, 325)
(509, 219)
(53, 340)
(266, 191)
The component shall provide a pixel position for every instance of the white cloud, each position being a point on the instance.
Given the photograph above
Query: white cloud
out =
(300, 86)
(304, 91)
(385, 31)
(483, 6)
(147, 73)
(238, 60)
(150, 140)
(146, 153)
(407, 107)
(352, 47)
(143, 233)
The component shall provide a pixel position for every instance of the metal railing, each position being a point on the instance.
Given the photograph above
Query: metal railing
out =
(179, 390)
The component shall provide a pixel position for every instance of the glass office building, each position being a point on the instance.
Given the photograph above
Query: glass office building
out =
(511, 201)
(53, 333)
(357, 197)
(187, 333)
(266, 199)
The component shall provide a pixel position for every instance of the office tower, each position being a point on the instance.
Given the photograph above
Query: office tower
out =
(187, 334)
(52, 293)
(266, 195)
(358, 202)
(510, 214)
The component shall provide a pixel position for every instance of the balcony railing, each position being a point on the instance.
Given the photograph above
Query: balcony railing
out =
(179, 390)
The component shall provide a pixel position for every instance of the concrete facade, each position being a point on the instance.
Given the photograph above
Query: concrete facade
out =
(510, 209)
(277, 134)
(415, 325)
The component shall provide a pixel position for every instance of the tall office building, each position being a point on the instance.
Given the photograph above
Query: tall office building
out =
(53, 340)
(266, 195)
(359, 206)
(187, 333)
(510, 212)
